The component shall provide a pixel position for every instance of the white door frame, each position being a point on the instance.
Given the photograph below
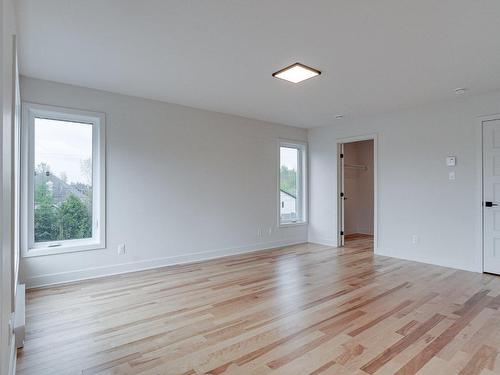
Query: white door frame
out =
(365, 137)
(480, 188)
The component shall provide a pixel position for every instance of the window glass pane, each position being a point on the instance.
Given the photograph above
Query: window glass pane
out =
(62, 180)
(289, 183)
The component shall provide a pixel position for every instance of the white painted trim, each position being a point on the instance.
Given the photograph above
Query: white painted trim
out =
(340, 201)
(365, 137)
(426, 260)
(96, 272)
(324, 241)
(293, 224)
(98, 121)
(15, 172)
(480, 179)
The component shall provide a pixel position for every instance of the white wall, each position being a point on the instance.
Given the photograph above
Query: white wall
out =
(358, 187)
(175, 178)
(414, 193)
(7, 27)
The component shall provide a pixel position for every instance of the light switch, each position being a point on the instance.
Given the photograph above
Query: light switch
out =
(451, 161)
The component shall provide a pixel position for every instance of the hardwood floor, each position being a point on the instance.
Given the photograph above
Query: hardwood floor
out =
(305, 309)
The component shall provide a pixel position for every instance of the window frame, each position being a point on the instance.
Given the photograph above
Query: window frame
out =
(302, 188)
(30, 111)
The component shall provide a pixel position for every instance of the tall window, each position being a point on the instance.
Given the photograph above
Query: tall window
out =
(292, 182)
(64, 169)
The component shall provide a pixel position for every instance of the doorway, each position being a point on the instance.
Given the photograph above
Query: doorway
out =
(357, 208)
(491, 194)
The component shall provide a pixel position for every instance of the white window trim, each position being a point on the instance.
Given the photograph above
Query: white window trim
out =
(303, 186)
(98, 241)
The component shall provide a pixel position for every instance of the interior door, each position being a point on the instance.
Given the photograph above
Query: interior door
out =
(341, 196)
(491, 196)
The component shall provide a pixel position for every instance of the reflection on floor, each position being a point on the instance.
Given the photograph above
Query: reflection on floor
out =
(304, 309)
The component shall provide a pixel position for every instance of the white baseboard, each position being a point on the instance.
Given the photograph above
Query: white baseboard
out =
(96, 272)
(323, 241)
(427, 260)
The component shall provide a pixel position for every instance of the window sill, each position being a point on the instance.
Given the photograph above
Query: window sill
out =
(67, 247)
(293, 224)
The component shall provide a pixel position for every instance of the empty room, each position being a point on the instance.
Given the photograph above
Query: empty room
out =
(250, 187)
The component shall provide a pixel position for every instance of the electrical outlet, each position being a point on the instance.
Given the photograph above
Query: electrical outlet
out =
(414, 239)
(121, 249)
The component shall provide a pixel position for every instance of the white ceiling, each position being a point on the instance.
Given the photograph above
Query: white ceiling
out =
(219, 54)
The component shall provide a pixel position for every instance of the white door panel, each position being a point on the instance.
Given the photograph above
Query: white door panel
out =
(491, 195)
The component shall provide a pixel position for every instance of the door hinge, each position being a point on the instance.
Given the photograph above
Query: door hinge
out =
(341, 195)
(341, 232)
(341, 156)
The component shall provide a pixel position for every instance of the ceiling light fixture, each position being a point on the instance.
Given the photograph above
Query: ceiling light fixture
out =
(460, 90)
(339, 117)
(296, 73)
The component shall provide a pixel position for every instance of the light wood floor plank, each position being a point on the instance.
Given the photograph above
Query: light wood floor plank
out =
(303, 309)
